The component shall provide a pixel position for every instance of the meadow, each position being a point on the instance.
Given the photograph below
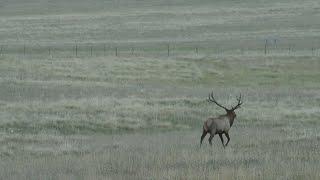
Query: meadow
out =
(94, 113)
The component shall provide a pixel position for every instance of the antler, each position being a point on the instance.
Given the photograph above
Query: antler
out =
(211, 99)
(238, 105)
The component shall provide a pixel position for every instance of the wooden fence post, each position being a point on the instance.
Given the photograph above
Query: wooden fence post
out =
(76, 50)
(116, 51)
(289, 49)
(265, 47)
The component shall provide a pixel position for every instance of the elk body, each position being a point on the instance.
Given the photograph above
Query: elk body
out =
(220, 125)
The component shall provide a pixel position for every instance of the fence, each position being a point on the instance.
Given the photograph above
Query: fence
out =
(86, 50)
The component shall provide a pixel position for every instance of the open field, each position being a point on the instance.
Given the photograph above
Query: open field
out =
(139, 115)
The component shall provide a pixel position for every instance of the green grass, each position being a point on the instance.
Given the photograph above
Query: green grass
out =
(139, 115)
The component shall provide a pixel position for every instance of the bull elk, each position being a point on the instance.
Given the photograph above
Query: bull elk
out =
(221, 124)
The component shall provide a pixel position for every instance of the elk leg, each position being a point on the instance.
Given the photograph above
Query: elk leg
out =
(220, 135)
(210, 139)
(204, 133)
(227, 135)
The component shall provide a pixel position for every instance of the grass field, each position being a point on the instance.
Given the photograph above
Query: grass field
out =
(139, 115)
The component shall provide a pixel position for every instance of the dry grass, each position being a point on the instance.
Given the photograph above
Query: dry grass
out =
(139, 115)
(255, 152)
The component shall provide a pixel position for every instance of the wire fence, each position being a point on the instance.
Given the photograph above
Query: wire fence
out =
(98, 49)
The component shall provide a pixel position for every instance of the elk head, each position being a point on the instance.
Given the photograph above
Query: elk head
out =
(230, 112)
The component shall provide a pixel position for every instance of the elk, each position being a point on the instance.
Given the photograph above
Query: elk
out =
(221, 124)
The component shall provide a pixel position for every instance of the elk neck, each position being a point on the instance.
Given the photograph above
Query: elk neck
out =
(231, 116)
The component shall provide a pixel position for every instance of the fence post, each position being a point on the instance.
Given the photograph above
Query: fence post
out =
(168, 50)
(91, 50)
(116, 51)
(104, 49)
(49, 51)
(197, 50)
(24, 49)
(265, 47)
(76, 50)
